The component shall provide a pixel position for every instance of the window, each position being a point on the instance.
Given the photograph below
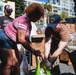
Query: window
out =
(1, 0)
(1, 9)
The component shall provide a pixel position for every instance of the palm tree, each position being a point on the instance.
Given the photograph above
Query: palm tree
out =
(64, 15)
(48, 9)
(48, 6)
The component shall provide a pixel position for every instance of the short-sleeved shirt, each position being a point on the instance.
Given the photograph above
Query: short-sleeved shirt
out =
(18, 23)
(61, 34)
(4, 21)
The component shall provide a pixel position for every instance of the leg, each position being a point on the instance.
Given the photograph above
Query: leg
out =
(5, 66)
(9, 60)
(16, 65)
(55, 67)
(72, 57)
(8, 56)
(5, 69)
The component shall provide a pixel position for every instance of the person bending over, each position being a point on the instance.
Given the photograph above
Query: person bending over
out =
(18, 31)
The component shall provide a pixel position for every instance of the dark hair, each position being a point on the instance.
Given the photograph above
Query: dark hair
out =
(34, 9)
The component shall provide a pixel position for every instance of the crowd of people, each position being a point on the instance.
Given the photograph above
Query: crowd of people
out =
(18, 30)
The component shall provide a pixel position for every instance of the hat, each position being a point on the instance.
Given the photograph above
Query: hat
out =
(54, 20)
(8, 8)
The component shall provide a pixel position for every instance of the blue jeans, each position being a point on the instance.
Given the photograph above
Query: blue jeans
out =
(5, 41)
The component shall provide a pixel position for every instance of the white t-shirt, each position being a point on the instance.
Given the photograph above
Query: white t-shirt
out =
(34, 29)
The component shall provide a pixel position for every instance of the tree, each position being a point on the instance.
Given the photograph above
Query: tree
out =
(48, 6)
(19, 6)
(64, 15)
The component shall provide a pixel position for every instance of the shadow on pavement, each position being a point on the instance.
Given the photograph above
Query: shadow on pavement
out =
(67, 74)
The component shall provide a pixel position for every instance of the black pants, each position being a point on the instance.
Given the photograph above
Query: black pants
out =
(54, 46)
(72, 57)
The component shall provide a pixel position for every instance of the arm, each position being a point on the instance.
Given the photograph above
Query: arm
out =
(47, 47)
(59, 50)
(47, 42)
(25, 42)
(65, 35)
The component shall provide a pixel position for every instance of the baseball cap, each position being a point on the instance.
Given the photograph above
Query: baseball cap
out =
(8, 8)
(54, 20)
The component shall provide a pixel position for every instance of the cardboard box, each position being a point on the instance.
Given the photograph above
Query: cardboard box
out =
(38, 42)
(64, 56)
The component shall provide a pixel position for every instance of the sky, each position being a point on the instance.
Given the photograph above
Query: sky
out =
(39, 0)
(42, 0)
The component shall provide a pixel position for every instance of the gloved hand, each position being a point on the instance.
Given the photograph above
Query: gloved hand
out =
(37, 53)
(52, 60)
(47, 62)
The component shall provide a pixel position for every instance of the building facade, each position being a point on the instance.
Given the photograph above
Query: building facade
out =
(59, 6)
(63, 5)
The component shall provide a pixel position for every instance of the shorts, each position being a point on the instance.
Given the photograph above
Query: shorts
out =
(5, 41)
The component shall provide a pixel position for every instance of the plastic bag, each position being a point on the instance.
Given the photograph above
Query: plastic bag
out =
(24, 66)
(41, 70)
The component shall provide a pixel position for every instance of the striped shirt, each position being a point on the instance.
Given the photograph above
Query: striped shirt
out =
(19, 23)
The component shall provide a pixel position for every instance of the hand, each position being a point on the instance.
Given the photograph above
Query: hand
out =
(52, 59)
(48, 63)
(37, 53)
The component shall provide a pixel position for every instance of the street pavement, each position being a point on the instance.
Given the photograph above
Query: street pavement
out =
(64, 70)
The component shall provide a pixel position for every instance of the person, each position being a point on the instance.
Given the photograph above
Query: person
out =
(6, 19)
(72, 49)
(56, 38)
(18, 31)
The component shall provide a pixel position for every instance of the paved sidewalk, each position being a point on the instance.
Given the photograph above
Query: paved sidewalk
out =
(64, 69)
